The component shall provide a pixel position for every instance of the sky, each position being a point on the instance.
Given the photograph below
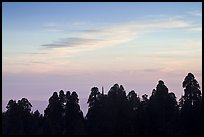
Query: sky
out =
(71, 46)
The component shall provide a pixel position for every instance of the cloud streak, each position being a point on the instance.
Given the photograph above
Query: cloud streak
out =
(195, 13)
(52, 27)
(151, 70)
(61, 53)
(110, 35)
(72, 42)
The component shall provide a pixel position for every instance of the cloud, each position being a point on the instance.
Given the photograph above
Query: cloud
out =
(195, 13)
(107, 36)
(114, 34)
(92, 31)
(195, 29)
(53, 45)
(151, 70)
(39, 62)
(36, 53)
(52, 27)
(168, 24)
(164, 17)
(72, 42)
(61, 53)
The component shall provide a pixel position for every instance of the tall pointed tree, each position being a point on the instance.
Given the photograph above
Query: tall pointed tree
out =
(191, 106)
(95, 118)
(162, 107)
(53, 115)
(74, 120)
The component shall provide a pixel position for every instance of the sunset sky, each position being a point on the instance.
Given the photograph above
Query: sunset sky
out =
(47, 47)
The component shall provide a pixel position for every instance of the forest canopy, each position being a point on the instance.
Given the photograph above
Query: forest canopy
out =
(116, 112)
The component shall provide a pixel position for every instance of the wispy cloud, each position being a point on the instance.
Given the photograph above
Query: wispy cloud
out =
(92, 31)
(115, 34)
(36, 53)
(195, 13)
(151, 70)
(39, 62)
(52, 27)
(60, 53)
(108, 35)
(164, 16)
(71, 42)
(195, 29)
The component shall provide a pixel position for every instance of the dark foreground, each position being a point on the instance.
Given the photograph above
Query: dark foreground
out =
(112, 113)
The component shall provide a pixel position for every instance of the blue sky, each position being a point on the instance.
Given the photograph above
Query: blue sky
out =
(75, 46)
(16, 14)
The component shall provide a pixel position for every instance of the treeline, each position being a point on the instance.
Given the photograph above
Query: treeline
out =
(112, 113)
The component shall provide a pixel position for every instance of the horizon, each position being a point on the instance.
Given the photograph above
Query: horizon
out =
(47, 47)
(36, 105)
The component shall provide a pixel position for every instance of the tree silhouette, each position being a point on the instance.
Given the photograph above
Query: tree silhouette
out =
(62, 99)
(163, 110)
(143, 116)
(134, 103)
(18, 117)
(191, 106)
(74, 116)
(112, 113)
(37, 123)
(13, 124)
(96, 118)
(118, 111)
(53, 115)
